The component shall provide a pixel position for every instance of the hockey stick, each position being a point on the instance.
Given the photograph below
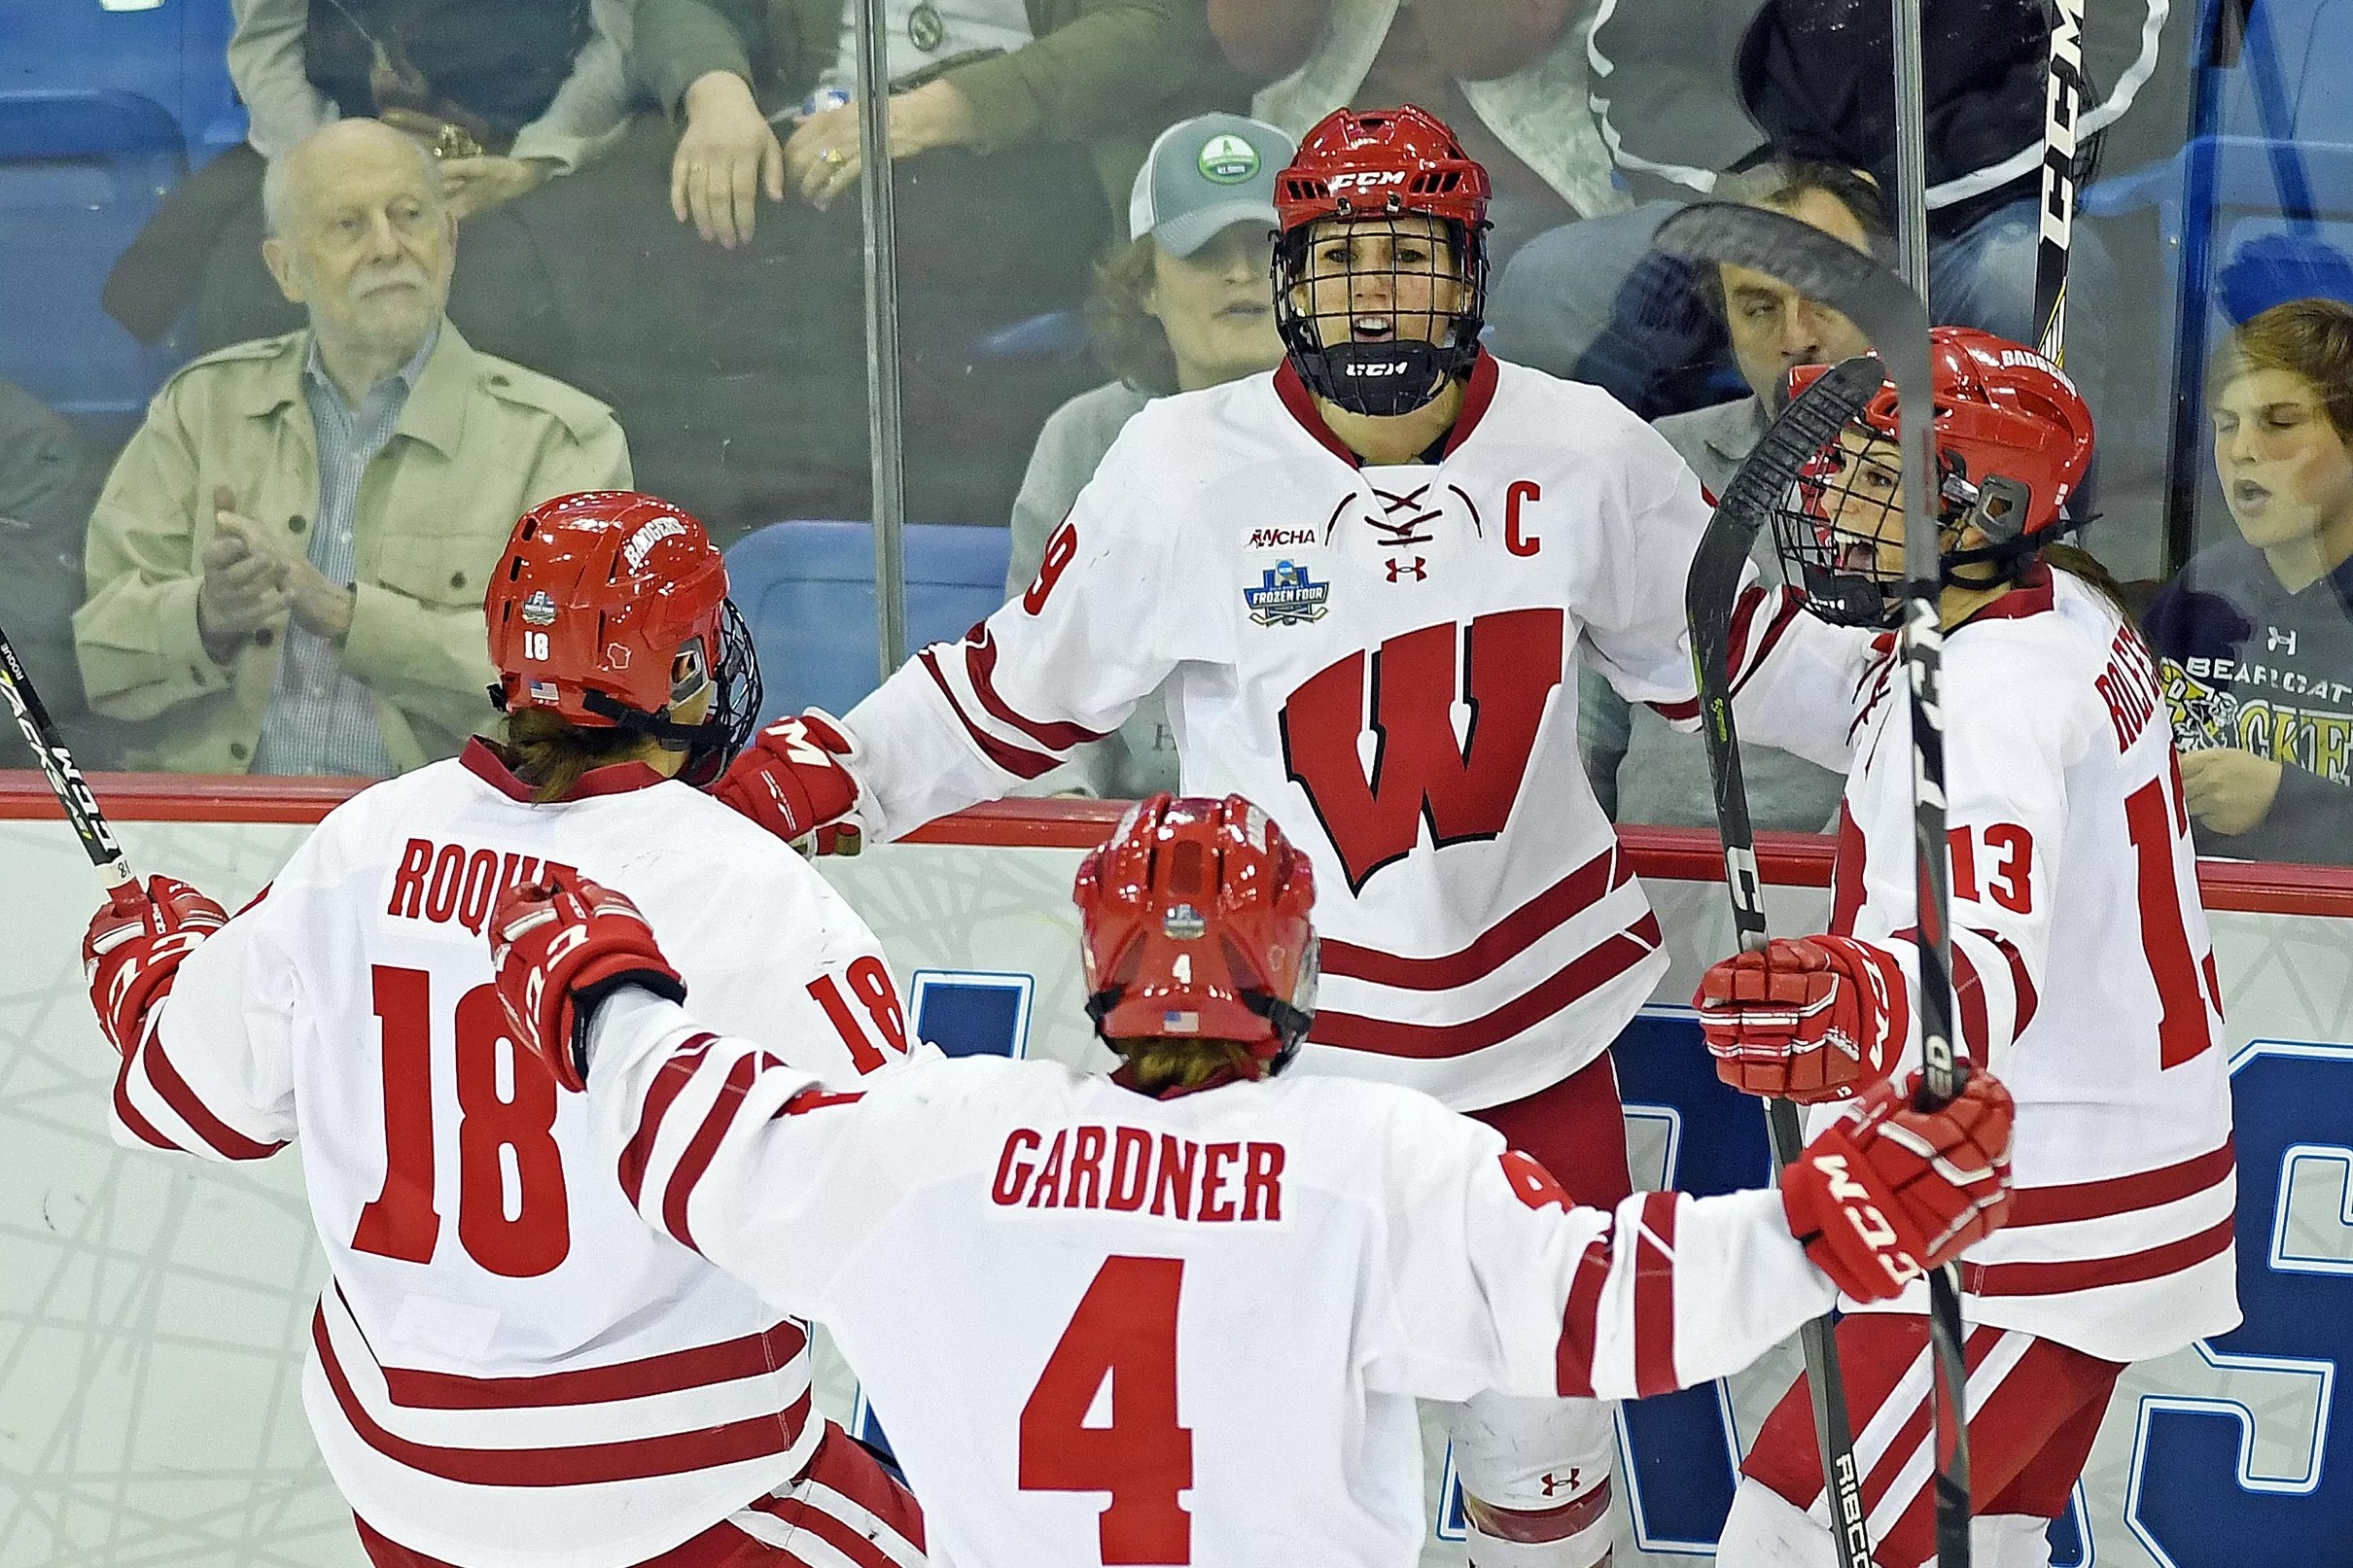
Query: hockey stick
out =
(2062, 101)
(1802, 429)
(64, 778)
(1895, 321)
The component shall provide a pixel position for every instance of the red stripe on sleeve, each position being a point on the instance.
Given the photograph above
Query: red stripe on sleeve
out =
(1655, 1296)
(1580, 1322)
(1846, 874)
(224, 1140)
(676, 1074)
(703, 1146)
(141, 1128)
(815, 1099)
(1969, 1000)
(1783, 620)
(980, 663)
(2020, 981)
(1022, 764)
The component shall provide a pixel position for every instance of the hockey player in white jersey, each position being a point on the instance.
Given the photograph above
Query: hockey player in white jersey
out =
(1363, 580)
(1179, 1315)
(509, 1369)
(2083, 971)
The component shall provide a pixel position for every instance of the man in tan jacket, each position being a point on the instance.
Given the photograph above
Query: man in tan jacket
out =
(286, 568)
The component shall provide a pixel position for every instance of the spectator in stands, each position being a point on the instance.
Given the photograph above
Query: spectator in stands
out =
(2255, 637)
(1686, 91)
(1509, 76)
(1186, 304)
(1642, 770)
(287, 565)
(508, 93)
(45, 497)
(721, 309)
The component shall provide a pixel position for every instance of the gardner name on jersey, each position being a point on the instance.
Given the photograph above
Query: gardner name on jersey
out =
(1381, 656)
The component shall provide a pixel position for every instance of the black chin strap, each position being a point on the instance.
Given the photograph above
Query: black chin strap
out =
(657, 726)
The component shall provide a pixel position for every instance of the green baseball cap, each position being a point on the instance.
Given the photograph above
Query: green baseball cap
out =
(1203, 174)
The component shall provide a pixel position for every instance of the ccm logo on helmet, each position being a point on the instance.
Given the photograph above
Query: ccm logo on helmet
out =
(1366, 179)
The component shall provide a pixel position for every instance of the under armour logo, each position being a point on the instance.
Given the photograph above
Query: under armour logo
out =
(1554, 1485)
(1417, 566)
(2276, 640)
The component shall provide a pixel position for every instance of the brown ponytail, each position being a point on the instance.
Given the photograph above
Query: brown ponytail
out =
(2085, 567)
(551, 753)
(1159, 1064)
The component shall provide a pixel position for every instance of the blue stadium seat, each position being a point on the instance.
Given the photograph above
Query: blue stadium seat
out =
(174, 53)
(81, 170)
(807, 589)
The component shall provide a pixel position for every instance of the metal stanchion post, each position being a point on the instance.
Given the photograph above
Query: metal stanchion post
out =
(885, 424)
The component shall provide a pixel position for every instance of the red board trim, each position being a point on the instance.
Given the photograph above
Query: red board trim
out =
(1662, 853)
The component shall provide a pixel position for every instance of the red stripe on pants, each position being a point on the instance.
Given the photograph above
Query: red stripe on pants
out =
(2027, 1438)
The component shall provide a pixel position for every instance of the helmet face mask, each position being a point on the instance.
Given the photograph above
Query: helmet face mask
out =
(1380, 270)
(1378, 312)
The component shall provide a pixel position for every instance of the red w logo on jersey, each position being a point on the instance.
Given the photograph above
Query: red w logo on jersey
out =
(1509, 662)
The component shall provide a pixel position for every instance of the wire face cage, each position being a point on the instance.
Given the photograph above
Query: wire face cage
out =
(1378, 310)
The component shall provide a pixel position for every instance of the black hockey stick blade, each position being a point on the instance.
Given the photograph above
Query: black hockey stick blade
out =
(1812, 421)
(1798, 433)
(64, 776)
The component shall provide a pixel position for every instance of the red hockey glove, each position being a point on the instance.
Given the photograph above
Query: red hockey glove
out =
(793, 782)
(1882, 1198)
(1805, 1017)
(135, 945)
(558, 946)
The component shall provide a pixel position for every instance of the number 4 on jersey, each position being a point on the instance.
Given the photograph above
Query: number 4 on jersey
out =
(1123, 1334)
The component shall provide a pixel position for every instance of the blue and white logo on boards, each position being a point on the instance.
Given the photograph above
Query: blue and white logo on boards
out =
(1286, 595)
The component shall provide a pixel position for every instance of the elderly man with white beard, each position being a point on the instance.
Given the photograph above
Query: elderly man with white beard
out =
(286, 568)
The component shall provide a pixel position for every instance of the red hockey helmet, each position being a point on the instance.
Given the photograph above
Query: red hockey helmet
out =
(611, 607)
(1196, 926)
(1370, 167)
(2013, 440)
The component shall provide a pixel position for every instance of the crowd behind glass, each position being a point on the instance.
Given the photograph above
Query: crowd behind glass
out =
(474, 254)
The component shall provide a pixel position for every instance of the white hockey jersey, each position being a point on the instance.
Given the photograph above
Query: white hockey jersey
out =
(508, 1367)
(1380, 658)
(2082, 970)
(1103, 1328)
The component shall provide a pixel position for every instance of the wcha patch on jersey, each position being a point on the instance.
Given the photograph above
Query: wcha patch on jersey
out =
(540, 609)
(1286, 595)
